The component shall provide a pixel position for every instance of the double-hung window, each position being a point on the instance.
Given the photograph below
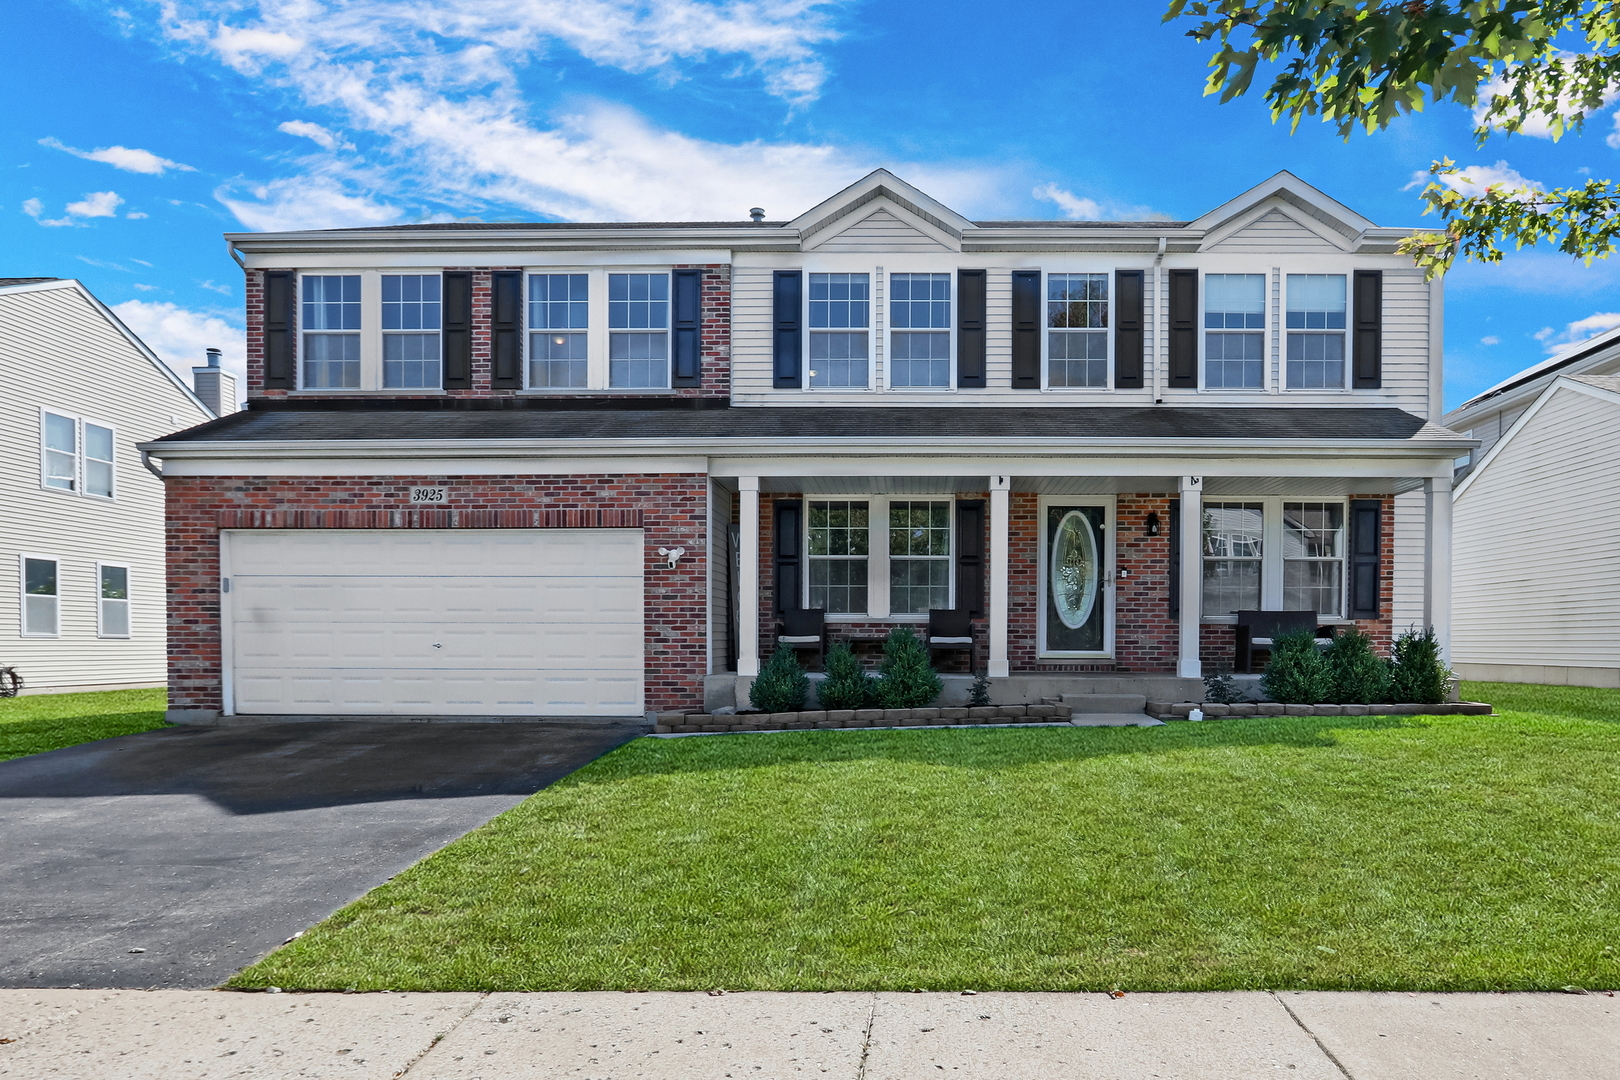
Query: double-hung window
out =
(840, 543)
(1316, 315)
(1234, 325)
(559, 317)
(853, 544)
(919, 556)
(638, 330)
(840, 315)
(41, 614)
(920, 338)
(410, 323)
(76, 455)
(1313, 557)
(112, 609)
(1233, 546)
(331, 324)
(1077, 330)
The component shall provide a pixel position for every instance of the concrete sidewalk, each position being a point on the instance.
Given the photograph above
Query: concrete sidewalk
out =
(191, 1035)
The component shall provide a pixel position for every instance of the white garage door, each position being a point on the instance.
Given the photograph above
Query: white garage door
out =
(509, 622)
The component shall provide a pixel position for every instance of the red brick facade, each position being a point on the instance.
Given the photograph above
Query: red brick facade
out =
(671, 509)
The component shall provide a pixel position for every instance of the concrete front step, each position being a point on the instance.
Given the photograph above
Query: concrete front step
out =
(1106, 703)
(1102, 719)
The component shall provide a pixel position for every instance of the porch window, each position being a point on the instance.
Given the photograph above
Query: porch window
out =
(1234, 341)
(1316, 311)
(1313, 557)
(1077, 330)
(1233, 547)
(559, 315)
(920, 341)
(919, 556)
(840, 313)
(840, 544)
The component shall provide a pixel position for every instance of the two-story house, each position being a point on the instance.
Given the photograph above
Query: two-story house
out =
(82, 533)
(582, 469)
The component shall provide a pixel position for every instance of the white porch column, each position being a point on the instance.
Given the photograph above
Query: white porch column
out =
(748, 576)
(1437, 562)
(1000, 529)
(1189, 666)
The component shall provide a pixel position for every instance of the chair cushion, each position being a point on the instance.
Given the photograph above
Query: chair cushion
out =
(1259, 641)
(809, 639)
(950, 641)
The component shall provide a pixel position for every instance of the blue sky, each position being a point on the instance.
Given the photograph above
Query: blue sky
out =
(138, 132)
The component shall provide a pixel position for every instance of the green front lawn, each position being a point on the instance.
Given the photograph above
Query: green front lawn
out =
(1443, 853)
(35, 724)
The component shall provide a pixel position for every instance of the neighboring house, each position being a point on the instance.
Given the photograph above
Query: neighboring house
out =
(1538, 576)
(81, 538)
(581, 469)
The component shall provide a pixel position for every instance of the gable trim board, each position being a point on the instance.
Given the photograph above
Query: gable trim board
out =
(1269, 229)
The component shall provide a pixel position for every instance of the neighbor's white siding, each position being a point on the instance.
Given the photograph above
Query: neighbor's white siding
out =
(1537, 570)
(58, 351)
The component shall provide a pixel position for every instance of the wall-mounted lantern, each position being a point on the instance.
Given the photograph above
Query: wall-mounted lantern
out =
(1153, 524)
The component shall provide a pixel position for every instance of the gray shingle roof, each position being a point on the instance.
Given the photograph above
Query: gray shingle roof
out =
(4, 281)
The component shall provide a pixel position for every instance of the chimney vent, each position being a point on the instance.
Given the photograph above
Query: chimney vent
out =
(757, 213)
(214, 385)
(213, 358)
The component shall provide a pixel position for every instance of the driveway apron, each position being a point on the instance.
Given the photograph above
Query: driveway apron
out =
(175, 857)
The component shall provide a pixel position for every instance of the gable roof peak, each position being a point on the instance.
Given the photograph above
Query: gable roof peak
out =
(1285, 187)
(880, 184)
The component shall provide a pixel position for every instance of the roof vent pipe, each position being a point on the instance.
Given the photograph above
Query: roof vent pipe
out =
(213, 358)
(757, 213)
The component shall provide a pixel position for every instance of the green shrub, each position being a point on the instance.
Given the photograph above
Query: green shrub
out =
(1222, 689)
(1418, 676)
(909, 681)
(979, 692)
(782, 684)
(1360, 676)
(1297, 674)
(847, 685)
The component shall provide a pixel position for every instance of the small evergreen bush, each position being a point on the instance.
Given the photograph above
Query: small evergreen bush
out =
(1297, 674)
(846, 685)
(979, 692)
(1222, 689)
(782, 684)
(909, 681)
(1360, 675)
(1417, 675)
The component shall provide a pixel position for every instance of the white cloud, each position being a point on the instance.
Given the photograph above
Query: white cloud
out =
(121, 157)
(182, 336)
(94, 204)
(1573, 333)
(321, 136)
(137, 215)
(1474, 179)
(146, 288)
(1080, 208)
(1490, 339)
(223, 290)
(305, 202)
(1538, 126)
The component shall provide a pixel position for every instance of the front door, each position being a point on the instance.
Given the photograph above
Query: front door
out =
(1077, 617)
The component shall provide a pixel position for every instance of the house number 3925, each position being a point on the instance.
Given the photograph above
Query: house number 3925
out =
(428, 495)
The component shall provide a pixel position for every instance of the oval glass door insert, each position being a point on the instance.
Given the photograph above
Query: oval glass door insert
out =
(1074, 570)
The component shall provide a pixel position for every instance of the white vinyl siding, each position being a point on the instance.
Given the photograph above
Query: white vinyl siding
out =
(1275, 233)
(881, 231)
(1408, 557)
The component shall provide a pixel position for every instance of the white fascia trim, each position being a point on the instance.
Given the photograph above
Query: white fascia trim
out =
(255, 247)
(429, 464)
(1560, 383)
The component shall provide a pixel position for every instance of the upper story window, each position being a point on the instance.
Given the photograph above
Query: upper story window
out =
(638, 330)
(1316, 318)
(559, 316)
(1234, 338)
(840, 315)
(919, 338)
(1077, 330)
(76, 455)
(410, 323)
(331, 323)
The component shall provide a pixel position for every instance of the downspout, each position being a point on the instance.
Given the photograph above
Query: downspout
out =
(1158, 302)
(146, 459)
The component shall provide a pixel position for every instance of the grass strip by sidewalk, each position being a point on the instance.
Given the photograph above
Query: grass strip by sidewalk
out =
(41, 722)
(1440, 853)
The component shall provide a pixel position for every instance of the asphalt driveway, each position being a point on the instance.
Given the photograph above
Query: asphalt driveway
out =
(175, 857)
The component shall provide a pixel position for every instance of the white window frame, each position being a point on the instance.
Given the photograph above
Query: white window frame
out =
(1271, 552)
(370, 332)
(1109, 563)
(383, 333)
(1345, 375)
(80, 456)
(888, 330)
(102, 602)
(1273, 302)
(22, 594)
(669, 330)
(1108, 333)
(597, 333)
(877, 559)
(872, 331)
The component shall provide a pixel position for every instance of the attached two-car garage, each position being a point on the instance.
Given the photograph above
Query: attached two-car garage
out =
(455, 622)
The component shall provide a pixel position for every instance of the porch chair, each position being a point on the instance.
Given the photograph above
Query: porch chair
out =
(950, 629)
(1259, 630)
(804, 628)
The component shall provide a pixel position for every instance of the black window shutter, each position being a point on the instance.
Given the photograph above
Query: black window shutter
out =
(506, 320)
(1128, 336)
(970, 556)
(1175, 558)
(788, 339)
(457, 323)
(280, 320)
(688, 328)
(1026, 329)
(1366, 524)
(1368, 354)
(1184, 328)
(970, 329)
(786, 535)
